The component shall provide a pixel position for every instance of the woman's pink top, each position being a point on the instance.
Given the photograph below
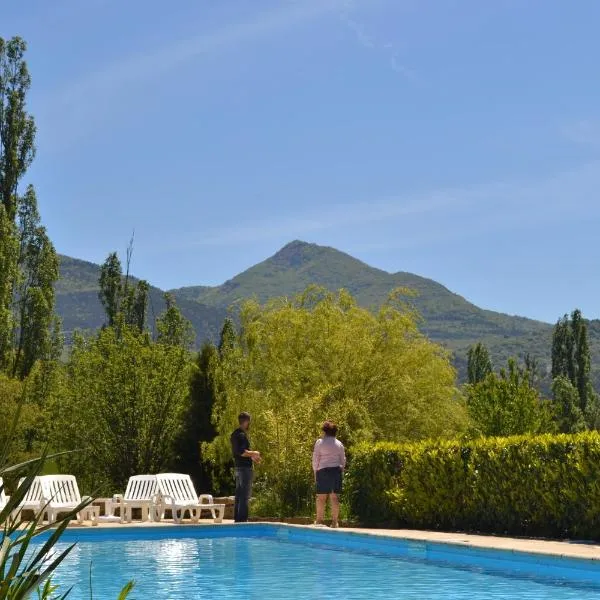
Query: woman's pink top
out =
(329, 452)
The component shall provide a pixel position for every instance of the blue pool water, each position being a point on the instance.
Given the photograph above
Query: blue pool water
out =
(277, 562)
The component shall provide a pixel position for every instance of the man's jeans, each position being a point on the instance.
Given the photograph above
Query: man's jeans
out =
(243, 491)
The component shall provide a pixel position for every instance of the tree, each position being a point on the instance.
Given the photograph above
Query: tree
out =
(26, 248)
(17, 127)
(123, 403)
(197, 421)
(227, 338)
(531, 367)
(111, 275)
(479, 363)
(296, 362)
(571, 359)
(569, 417)
(9, 251)
(122, 301)
(507, 404)
(172, 327)
(34, 298)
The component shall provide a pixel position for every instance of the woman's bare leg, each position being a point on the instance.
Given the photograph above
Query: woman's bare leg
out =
(335, 509)
(321, 502)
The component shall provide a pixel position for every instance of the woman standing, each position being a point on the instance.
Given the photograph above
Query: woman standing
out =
(329, 461)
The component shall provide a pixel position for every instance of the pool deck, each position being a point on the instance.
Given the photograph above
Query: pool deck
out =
(567, 549)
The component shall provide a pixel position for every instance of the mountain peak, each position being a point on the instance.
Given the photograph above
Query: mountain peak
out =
(295, 254)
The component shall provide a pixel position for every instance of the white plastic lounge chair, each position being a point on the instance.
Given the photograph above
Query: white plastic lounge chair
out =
(176, 491)
(141, 493)
(33, 499)
(3, 497)
(61, 494)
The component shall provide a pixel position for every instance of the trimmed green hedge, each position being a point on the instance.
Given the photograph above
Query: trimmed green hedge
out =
(546, 485)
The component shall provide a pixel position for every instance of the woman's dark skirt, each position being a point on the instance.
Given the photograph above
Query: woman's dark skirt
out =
(329, 481)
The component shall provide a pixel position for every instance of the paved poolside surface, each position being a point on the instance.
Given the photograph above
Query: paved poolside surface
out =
(570, 549)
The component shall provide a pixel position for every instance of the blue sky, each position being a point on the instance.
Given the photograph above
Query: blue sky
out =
(456, 139)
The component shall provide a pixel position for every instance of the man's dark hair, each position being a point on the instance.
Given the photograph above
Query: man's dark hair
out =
(243, 417)
(329, 429)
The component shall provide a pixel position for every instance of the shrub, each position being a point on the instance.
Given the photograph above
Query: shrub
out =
(545, 485)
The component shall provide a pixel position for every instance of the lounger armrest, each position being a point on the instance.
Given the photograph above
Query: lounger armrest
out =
(205, 499)
(168, 499)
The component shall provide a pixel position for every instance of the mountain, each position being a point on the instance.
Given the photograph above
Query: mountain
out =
(447, 317)
(79, 307)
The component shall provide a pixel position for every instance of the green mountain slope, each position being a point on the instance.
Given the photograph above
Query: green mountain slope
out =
(447, 317)
(78, 305)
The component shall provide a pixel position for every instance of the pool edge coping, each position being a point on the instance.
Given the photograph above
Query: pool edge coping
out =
(573, 550)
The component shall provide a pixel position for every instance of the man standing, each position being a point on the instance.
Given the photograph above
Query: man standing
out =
(244, 459)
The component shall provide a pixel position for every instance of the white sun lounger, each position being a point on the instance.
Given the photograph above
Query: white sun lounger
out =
(3, 497)
(61, 494)
(176, 492)
(141, 493)
(33, 500)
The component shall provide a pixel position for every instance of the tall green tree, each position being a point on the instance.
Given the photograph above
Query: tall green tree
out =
(571, 359)
(227, 339)
(122, 300)
(111, 287)
(198, 427)
(479, 364)
(569, 416)
(531, 367)
(172, 327)
(34, 298)
(28, 261)
(17, 127)
(17, 150)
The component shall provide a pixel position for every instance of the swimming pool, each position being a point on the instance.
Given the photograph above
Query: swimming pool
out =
(258, 561)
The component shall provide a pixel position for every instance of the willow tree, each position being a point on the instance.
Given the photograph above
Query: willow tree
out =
(297, 362)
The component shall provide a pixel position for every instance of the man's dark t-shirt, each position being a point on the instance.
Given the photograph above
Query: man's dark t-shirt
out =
(239, 444)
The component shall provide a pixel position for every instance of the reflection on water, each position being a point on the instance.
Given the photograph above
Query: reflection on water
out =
(227, 568)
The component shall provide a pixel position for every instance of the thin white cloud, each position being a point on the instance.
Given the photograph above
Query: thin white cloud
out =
(94, 94)
(371, 41)
(434, 217)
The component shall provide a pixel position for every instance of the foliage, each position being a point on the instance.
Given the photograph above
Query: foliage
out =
(507, 404)
(297, 362)
(571, 359)
(569, 416)
(123, 301)
(111, 275)
(28, 261)
(197, 427)
(479, 363)
(34, 298)
(546, 485)
(123, 401)
(26, 564)
(172, 327)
